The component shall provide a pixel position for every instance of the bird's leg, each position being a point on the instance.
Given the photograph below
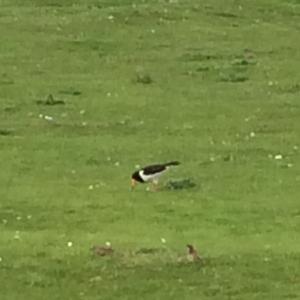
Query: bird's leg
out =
(154, 185)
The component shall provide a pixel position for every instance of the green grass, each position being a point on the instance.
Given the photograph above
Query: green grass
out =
(213, 84)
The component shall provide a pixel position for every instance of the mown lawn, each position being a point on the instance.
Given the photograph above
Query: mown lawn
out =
(90, 90)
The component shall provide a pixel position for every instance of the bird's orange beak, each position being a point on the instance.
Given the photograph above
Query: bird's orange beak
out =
(133, 184)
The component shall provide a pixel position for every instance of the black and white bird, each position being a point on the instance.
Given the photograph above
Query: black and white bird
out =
(151, 173)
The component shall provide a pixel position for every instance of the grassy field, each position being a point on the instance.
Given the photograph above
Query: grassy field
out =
(89, 90)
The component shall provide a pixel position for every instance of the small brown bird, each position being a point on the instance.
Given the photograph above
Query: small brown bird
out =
(192, 254)
(102, 250)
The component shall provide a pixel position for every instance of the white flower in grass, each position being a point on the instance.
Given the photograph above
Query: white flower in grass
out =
(48, 118)
(252, 134)
(19, 218)
(17, 235)
(84, 123)
(163, 240)
(91, 187)
(29, 217)
(278, 156)
(70, 244)
(108, 244)
(117, 164)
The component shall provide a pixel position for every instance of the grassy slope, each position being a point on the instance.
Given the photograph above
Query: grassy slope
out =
(208, 94)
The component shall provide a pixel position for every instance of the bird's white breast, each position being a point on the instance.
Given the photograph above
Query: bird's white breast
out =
(150, 177)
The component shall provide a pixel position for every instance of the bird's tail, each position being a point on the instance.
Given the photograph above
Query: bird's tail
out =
(172, 163)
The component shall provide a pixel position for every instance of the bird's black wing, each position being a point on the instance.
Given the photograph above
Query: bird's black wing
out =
(149, 170)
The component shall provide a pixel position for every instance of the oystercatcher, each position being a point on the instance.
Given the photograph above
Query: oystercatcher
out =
(151, 173)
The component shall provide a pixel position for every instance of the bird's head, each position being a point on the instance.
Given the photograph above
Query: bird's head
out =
(135, 178)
